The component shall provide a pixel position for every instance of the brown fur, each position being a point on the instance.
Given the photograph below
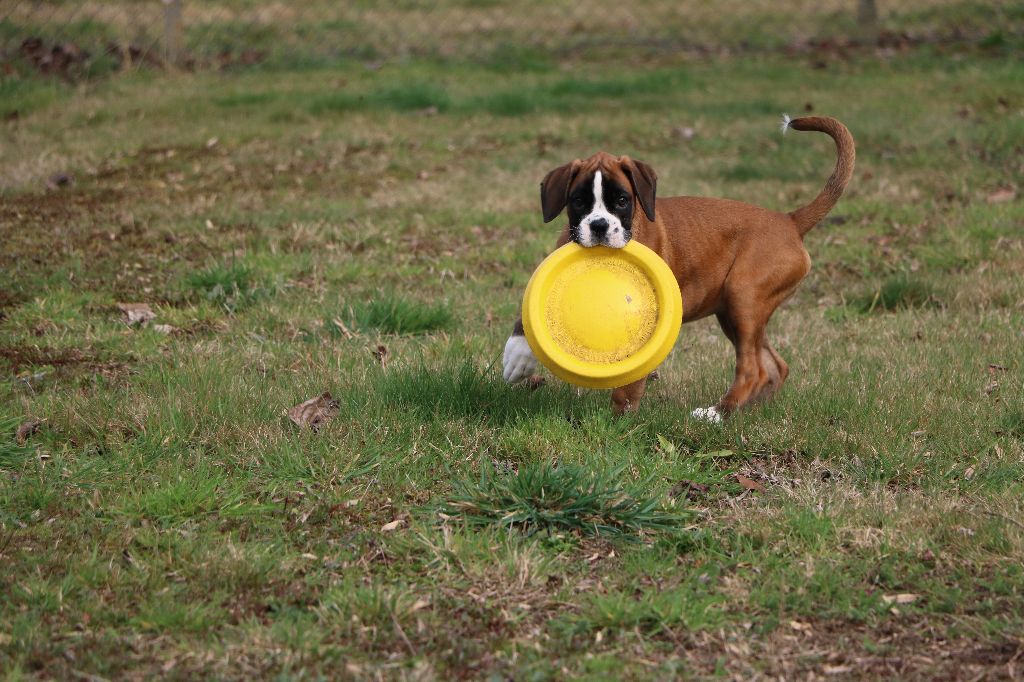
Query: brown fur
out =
(732, 260)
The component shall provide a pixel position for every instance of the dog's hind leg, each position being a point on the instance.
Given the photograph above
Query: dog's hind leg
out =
(775, 367)
(759, 369)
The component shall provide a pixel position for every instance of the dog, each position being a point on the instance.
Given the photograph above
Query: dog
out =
(732, 260)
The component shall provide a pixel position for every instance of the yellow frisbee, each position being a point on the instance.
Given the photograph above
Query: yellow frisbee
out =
(602, 317)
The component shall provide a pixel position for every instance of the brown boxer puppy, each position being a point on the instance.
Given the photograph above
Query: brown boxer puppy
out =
(732, 260)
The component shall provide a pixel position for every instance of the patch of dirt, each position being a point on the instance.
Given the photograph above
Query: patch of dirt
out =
(8, 301)
(17, 358)
(902, 648)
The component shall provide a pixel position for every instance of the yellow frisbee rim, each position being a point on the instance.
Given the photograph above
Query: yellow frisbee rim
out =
(587, 373)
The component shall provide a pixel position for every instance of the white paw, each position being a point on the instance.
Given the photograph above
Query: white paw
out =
(518, 361)
(708, 414)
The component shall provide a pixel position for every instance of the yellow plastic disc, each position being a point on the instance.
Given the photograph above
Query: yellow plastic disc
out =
(602, 317)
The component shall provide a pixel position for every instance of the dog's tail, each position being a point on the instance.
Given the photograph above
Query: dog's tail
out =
(810, 215)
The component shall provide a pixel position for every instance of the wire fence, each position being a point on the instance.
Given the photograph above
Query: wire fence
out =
(64, 35)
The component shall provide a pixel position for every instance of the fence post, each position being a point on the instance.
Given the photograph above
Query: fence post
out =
(172, 30)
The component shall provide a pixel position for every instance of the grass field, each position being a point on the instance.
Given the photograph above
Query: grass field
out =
(368, 232)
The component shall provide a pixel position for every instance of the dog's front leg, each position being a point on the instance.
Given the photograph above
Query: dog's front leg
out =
(517, 361)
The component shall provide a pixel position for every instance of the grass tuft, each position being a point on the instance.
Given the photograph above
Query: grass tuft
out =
(899, 292)
(11, 452)
(566, 498)
(393, 315)
(231, 286)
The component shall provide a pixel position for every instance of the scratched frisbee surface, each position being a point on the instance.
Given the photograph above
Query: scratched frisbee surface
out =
(602, 317)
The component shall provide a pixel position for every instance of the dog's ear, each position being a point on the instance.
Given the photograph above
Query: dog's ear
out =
(554, 189)
(645, 183)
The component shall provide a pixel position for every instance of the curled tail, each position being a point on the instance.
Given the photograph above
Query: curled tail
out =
(810, 215)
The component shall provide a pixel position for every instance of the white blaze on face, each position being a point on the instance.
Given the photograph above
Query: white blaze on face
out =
(614, 236)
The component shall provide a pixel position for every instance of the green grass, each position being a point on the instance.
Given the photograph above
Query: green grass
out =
(899, 292)
(564, 499)
(229, 286)
(169, 520)
(393, 315)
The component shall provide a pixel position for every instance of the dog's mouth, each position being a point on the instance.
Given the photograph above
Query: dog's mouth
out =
(611, 243)
(587, 239)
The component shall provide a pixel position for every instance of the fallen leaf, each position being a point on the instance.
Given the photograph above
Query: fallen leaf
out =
(902, 598)
(164, 328)
(314, 411)
(58, 180)
(837, 669)
(798, 626)
(26, 430)
(388, 527)
(1001, 196)
(688, 489)
(749, 483)
(535, 381)
(714, 454)
(968, 473)
(684, 132)
(137, 313)
(382, 355)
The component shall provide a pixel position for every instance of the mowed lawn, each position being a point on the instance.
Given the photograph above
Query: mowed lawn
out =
(368, 232)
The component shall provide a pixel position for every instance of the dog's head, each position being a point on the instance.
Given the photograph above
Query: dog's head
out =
(601, 194)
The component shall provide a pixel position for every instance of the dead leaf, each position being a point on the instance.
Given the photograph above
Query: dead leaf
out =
(314, 412)
(969, 473)
(137, 313)
(26, 430)
(799, 627)
(749, 483)
(382, 356)
(688, 489)
(58, 180)
(393, 525)
(535, 381)
(1001, 196)
(684, 132)
(837, 669)
(902, 598)
(164, 328)
(992, 386)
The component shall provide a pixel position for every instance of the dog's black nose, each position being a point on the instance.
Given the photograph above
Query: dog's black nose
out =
(598, 226)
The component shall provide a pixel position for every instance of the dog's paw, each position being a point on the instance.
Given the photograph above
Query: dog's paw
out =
(518, 361)
(708, 414)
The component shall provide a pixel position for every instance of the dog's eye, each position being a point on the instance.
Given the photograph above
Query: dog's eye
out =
(623, 201)
(577, 202)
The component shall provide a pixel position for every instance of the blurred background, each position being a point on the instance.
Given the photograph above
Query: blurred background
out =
(79, 39)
